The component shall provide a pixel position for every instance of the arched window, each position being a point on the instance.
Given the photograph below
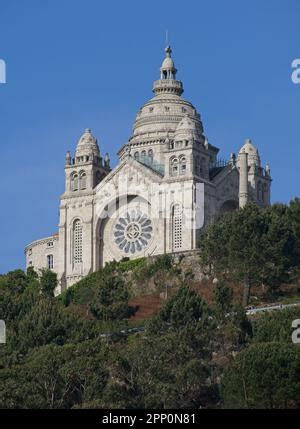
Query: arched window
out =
(259, 192)
(82, 180)
(144, 154)
(77, 242)
(150, 155)
(50, 262)
(176, 226)
(174, 167)
(74, 182)
(182, 165)
(137, 156)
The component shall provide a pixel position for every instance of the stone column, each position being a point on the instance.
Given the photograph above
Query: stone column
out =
(243, 184)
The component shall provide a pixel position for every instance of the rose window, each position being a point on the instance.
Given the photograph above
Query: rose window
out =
(133, 231)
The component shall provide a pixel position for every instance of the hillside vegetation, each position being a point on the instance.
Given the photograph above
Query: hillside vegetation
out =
(196, 347)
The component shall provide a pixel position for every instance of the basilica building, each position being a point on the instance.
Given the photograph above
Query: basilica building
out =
(168, 184)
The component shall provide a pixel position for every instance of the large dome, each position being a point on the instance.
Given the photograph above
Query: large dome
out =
(160, 116)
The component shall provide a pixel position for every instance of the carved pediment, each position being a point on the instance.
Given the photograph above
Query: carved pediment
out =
(130, 171)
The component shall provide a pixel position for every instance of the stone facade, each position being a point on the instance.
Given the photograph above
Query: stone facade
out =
(43, 253)
(167, 185)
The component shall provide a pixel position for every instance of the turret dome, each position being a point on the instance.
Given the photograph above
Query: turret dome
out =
(87, 144)
(253, 155)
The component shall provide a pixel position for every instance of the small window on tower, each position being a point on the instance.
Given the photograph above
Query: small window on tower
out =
(174, 167)
(182, 165)
(74, 182)
(82, 180)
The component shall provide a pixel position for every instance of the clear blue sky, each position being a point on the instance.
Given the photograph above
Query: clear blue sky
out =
(73, 64)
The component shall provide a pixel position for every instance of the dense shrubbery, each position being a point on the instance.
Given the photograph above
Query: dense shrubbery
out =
(265, 375)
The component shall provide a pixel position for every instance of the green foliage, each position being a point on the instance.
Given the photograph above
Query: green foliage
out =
(82, 292)
(111, 301)
(223, 297)
(185, 308)
(55, 377)
(147, 268)
(275, 326)
(169, 371)
(48, 282)
(264, 376)
(31, 274)
(131, 264)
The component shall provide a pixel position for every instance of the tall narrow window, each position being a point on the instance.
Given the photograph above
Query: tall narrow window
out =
(83, 180)
(182, 165)
(74, 182)
(174, 167)
(137, 156)
(50, 262)
(143, 154)
(77, 242)
(177, 226)
(150, 155)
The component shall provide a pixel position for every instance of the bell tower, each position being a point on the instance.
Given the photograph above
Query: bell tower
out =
(87, 168)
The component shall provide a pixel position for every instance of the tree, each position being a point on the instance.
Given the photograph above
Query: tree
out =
(48, 282)
(223, 297)
(186, 308)
(263, 376)
(275, 326)
(250, 246)
(112, 295)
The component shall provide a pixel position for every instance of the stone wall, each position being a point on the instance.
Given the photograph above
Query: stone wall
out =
(37, 252)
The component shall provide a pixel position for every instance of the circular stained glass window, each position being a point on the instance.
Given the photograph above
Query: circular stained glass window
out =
(133, 231)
